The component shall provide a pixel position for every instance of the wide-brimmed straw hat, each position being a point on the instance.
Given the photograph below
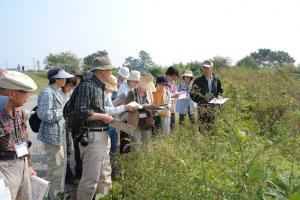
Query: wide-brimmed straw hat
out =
(111, 84)
(188, 73)
(146, 80)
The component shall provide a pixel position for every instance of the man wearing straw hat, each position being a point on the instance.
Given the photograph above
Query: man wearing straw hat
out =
(15, 161)
(90, 106)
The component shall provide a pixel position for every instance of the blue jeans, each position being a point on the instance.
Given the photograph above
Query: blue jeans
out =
(113, 139)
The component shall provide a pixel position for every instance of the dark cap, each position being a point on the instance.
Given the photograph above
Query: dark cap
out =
(161, 80)
(207, 63)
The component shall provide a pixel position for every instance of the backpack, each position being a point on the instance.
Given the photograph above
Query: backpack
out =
(34, 120)
(69, 112)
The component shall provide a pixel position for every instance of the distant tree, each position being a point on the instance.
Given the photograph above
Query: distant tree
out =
(269, 58)
(145, 59)
(220, 61)
(157, 70)
(132, 63)
(248, 61)
(142, 63)
(195, 67)
(88, 60)
(68, 60)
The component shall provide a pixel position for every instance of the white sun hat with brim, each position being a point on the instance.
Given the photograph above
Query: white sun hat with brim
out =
(14, 80)
(124, 71)
(62, 74)
(134, 76)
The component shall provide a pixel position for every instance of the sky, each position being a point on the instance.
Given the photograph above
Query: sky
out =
(171, 31)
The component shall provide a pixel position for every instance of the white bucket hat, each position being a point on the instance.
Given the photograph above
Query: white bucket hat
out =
(124, 71)
(134, 76)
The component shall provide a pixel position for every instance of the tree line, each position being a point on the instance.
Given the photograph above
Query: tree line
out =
(144, 63)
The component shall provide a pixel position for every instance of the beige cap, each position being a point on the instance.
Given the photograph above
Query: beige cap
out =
(102, 63)
(134, 76)
(14, 80)
(112, 83)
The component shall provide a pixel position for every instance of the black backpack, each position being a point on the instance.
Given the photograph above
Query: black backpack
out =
(72, 118)
(34, 121)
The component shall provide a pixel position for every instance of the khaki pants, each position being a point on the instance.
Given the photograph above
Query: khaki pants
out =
(57, 162)
(16, 177)
(96, 174)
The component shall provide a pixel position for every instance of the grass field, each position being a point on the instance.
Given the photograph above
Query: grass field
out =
(252, 151)
(39, 78)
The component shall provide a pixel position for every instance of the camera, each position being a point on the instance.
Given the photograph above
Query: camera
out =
(82, 137)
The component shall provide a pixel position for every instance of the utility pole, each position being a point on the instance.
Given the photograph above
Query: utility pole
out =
(33, 63)
(38, 65)
(6, 63)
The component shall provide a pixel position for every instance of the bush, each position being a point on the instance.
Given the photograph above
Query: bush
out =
(252, 151)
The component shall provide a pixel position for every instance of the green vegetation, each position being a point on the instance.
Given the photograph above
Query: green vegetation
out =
(40, 79)
(252, 151)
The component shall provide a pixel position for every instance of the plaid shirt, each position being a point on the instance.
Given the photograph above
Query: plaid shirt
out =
(89, 100)
(50, 110)
(9, 133)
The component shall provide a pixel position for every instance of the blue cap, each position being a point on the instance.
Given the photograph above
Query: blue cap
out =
(62, 74)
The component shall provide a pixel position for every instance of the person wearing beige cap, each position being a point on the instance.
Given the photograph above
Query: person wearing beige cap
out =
(139, 119)
(12, 80)
(186, 106)
(52, 131)
(132, 82)
(93, 123)
(15, 160)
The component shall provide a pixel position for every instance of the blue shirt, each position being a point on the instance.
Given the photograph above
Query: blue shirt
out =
(185, 106)
(3, 102)
(210, 81)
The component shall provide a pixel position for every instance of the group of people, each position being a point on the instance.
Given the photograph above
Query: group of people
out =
(99, 99)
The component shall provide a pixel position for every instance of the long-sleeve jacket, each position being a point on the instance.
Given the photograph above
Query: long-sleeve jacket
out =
(50, 110)
(200, 91)
(89, 100)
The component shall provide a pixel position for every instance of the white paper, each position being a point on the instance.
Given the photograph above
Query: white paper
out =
(21, 149)
(219, 101)
(135, 105)
(39, 188)
(182, 95)
(4, 191)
